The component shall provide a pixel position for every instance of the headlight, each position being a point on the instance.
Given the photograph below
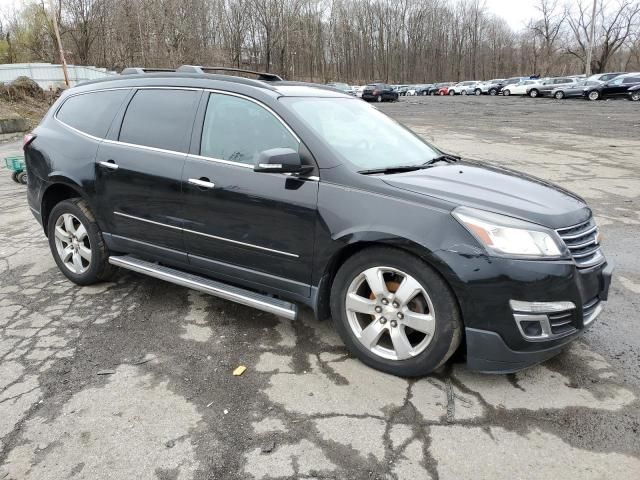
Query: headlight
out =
(507, 236)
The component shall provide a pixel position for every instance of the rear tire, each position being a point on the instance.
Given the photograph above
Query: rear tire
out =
(77, 244)
(594, 95)
(478, 92)
(559, 95)
(390, 344)
(452, 92)
(533, 93)
(635, 97)
(493, 92)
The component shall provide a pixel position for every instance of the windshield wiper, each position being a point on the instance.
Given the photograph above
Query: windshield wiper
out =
(445, 157)
(398, 169)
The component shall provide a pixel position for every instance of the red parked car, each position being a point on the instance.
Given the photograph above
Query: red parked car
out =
(444, 90)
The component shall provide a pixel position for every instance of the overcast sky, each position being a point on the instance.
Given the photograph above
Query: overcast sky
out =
(515, 12)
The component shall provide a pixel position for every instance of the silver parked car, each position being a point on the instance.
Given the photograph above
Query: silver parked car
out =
(545, 86)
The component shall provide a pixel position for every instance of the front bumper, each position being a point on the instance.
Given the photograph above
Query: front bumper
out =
(485, 286)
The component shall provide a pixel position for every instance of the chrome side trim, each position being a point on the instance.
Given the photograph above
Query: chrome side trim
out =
(144, 147)
(133, 217)
(219, 160)
(215, 237)
(202, 284)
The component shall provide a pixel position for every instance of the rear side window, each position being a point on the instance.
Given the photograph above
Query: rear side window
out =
(160, 118)
(631, 80)
(237, 130)
(92, 113)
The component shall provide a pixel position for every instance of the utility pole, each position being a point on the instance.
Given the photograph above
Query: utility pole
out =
(54, 19)
(591, 39)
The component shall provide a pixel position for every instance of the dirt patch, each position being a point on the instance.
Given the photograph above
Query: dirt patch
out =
(24, 99)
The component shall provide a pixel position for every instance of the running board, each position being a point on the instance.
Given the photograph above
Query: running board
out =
(203, 284)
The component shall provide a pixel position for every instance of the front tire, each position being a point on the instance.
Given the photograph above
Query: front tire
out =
(533, 93)
(635, 97)
(594, 95)
(478, 92)
(394, 312)
(493, 92)
(506, 93)
(559, 95)
(452, 92)
(76, 243)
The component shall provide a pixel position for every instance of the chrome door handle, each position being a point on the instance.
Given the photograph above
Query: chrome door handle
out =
(201, 182)
(110, 164)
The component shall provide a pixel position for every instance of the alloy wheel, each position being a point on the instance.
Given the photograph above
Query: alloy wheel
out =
(506, 93)
(390, 313)
(72, 243)
(594, 95)
(635, 96)
(559, 95)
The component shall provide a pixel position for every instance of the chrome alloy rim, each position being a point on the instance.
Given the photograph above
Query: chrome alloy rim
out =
(72, 243)
(390, 313)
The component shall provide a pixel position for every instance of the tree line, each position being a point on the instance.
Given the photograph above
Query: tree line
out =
(357, 41)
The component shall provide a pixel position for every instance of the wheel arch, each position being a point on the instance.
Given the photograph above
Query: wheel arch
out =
(354, 245)
(60, 188)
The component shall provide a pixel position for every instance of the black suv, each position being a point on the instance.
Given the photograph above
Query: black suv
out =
(273, 193)
(379, 92)
(618, 87)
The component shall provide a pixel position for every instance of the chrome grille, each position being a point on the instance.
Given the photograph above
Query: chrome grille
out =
(582, 241)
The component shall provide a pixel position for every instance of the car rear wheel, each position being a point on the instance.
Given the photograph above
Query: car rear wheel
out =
(533, 93)
(635, 96)
(76, 243)
(394, 312)
(493, 92)
(595, 95)
(506, 93)
(478, 92)
(464, 92)
(451, 92)
(559, 95)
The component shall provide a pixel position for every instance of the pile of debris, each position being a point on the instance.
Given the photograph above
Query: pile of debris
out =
(24, 99)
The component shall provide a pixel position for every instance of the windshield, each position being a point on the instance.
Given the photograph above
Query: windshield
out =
(360, 134)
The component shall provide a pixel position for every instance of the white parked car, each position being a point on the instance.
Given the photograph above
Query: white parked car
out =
(519, 88)
(461, 88)
(359, 90)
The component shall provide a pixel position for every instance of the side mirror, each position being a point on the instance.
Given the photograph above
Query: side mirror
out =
(280, 160)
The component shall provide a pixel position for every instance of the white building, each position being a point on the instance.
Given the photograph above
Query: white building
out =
(50, 76)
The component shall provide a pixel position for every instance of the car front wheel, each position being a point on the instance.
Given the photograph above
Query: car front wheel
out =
(533, 93)
(76, 243)
(395, 313)
(506, 93)
(635, 96)
(451, 92)
(493, 92)
(559, 95)
(595, 95)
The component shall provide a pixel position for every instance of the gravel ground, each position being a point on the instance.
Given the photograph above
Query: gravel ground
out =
(132, 378)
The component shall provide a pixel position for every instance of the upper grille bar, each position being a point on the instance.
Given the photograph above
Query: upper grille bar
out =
(582, 242)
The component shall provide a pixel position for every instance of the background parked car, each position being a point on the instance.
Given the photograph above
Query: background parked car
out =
(519, 88)
(634, 93)
(573, 90)
(490, 87)
(508, 81)
(379, 92)
(343, 87)
(617, 87)
(422, 89)
(548, 84)
(401, 89)
(359, 90)
(435, 88)
(605, 77)
(444, 90)
(460, 87)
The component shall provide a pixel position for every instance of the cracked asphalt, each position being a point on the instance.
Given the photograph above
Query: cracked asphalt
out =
(133, 378)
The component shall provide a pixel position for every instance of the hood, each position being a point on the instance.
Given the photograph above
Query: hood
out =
(499, 190)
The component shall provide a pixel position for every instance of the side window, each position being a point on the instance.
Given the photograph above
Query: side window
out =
(92, 113)
(237, 129)
(631, 80)
(160, 118)
(617, 81)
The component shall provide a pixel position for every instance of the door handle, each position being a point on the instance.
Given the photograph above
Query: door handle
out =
(109, 164)
(202, 182)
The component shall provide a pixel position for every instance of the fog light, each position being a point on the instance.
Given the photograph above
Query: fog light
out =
(531, 328)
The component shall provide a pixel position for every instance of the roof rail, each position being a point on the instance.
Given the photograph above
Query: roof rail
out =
(264, 76)
(139, 70)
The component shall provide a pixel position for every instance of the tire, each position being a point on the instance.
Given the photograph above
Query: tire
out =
(506, 93)
(22, 178)
(635, 96)
(422, 353)
(92, 270)
(14, 176)
(441, 94)
(493, 92)
(534, 93)
(477, 92)
(594, 95)
(433, 94)
(452, 92)
(559, 95)
(464, 92)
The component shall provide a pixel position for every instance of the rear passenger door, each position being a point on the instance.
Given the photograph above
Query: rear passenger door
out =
(139, 168)
(239, 224)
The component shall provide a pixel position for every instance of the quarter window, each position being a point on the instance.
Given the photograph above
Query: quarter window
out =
(237, 129)
(160, 118)
(92, 113)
